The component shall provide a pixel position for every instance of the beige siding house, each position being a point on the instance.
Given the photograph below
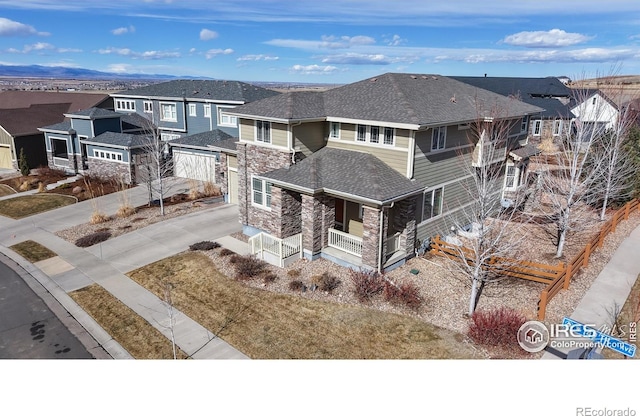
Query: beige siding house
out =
(364, 173)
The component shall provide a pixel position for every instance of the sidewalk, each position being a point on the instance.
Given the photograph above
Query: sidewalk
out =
(611, 287)
(106, 264)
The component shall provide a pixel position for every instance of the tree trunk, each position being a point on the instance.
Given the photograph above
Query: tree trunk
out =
(474, 295)
(603, 211)
(562, 234)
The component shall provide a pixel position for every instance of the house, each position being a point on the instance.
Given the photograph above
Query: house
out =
(363, 173)
(596, 108)
(22, 112)
(549, 93)
(97, 141)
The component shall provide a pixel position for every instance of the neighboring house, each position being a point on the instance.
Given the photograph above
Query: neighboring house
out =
(595, 108)
(23, 112)
(363, 173)
(548, 93)
(97, 142)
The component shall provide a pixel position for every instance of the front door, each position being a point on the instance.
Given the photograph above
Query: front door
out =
(232, 186)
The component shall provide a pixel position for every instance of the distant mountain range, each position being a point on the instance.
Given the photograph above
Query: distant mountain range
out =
(59, 72)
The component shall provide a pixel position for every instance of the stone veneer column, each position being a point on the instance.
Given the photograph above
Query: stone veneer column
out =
(221, 175)
(318, 215)
(242, 183)
(405, 220)
(371, 236)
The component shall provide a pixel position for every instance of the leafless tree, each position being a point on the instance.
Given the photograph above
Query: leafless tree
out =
(494, 235)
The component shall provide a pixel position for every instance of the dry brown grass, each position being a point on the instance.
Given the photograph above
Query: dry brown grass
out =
(136, 335)
(6, 190)
(630, 312)
(32, 251)
(98, 217)
(267, 325)
(23, 206)
(125, 211)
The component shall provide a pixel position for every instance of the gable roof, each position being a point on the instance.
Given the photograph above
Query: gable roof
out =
(332, 171)
(548, 93)
(25, 121)
(75, 100)
(416, 100)
(93, 113)
(213, 90)
(205, 140)
(122, 140)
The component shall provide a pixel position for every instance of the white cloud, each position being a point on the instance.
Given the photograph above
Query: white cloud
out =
(148, 55)
(396, 40)
(12, 28)
(259, 57)
(551, 39)
(206, 34)
(313, 69)
(211, 53)
(40, 48)
(357, 59)
(343, 42)
(119, 68)
(123, 30)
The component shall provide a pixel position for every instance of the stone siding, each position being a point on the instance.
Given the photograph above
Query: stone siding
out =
(371, 236)
(221, 174)
(318, 215)
(112, 170)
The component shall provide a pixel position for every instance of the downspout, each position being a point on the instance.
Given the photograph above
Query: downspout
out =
(380, 237)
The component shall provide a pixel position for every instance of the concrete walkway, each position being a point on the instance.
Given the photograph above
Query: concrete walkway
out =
(610, 289)
(105, 264)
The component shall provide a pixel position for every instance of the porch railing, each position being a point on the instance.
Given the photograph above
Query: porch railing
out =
(280, 249)
(348, 243)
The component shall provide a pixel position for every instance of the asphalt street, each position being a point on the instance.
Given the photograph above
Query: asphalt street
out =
(28, 328)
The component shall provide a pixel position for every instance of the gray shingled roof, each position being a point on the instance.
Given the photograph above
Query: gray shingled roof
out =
(62, 126)
(117, 139)
(361, 175)
(541, 92)
(526, 152)
(416, 99)
(203, 140)
(202, 89)
(134, 121)
(93, 113)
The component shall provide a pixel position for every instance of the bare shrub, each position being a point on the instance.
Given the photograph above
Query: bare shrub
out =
(404, 294)
(293, 273)
(496, 327)
(296, 286)
(211, 189)
(248, 267)
(366, 283)
(204, 245)
(98, 217)
(41, 187)
(325, 282)
(269, 277)
(226, 252)
(93, 238)
(24, 186)
(125, 211)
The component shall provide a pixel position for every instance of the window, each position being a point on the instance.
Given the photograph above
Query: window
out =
(207, 110)
(126, 105)
(261, 192)
(388, 136)
(525, 124)
(59, 148)
(107, 155)
(361, 133)
(263, 131)
(226, 119)
(166, 137)
(557, 127)
(432, 206)
(438, 138)
(537, 127)
(334, 130)
(168, 112)
(148, 107)
(192, 110)
(374, 136)
(511, 177)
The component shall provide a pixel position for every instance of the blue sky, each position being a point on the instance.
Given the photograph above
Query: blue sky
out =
(326, 41)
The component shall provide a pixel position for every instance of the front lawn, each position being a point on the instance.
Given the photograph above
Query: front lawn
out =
(25, 206)
(267, 325)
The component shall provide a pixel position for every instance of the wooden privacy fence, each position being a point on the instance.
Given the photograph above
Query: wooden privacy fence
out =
(555, 277)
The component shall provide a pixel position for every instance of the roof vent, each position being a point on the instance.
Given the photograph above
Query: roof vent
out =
(453, 99)
(434, 77)
(424, 77)
(373, 79)
(414, 77)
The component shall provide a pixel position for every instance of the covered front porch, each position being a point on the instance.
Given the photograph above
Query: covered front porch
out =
(357, 219)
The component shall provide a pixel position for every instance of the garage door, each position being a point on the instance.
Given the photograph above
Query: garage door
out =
(5, 158)
(194, 165)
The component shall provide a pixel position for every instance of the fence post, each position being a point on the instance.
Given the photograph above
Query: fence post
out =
(587, 253)
(627, 207)
(542, 305)
(602, 235)
(568, 273)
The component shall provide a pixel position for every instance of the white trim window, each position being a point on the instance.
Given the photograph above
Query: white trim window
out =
(334, 130)
(557, 127)
(193, 111)
(511, 177)
(263, 131)
(167, 137)
(432, 203)
(261, 193)
(105, 155)
(125, 105)
(374, 134)
(524, 125)
(389, 136)
(361, 133)
(207, 110)
(537, 127)
(148, 106)
(168, 112)
(438, 138)
(225, 119)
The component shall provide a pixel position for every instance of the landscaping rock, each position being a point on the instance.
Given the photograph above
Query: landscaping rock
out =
(76, 190)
